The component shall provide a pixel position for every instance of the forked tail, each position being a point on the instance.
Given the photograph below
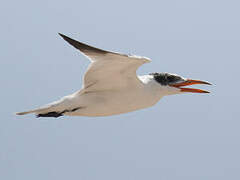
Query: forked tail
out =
(52, 110)
(42, 112)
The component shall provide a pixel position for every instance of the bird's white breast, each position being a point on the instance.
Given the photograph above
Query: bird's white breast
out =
(110, 102)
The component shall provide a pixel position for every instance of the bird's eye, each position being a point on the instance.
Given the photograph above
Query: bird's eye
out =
(171, 78)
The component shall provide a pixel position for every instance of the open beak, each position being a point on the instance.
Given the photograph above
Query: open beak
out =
(189, 82)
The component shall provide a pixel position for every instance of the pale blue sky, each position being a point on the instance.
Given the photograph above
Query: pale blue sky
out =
(184, 137)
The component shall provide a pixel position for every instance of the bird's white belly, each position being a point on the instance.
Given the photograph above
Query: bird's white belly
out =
(107, 103)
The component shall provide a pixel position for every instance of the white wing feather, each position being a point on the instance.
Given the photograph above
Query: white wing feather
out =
(108, 70)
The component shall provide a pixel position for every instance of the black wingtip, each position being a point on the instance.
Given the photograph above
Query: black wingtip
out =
(69, 40)
(81, 46)
(62, 35)
(50, 114)
(66, 38)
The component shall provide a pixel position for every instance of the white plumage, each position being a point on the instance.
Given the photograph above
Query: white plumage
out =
(110, 86)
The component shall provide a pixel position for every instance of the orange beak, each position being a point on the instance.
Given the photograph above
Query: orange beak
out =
(189, 82)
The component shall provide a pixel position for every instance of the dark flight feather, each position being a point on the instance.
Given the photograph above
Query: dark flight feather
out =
(82, 47)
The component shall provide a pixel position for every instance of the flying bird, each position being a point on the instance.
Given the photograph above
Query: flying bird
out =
(111, 86)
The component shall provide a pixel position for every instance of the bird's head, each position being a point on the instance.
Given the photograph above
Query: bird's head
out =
(175, 84)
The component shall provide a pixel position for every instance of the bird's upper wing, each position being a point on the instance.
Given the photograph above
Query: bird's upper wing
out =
(108, 70)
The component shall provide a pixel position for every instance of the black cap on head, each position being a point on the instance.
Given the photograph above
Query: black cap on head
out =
(165, 78)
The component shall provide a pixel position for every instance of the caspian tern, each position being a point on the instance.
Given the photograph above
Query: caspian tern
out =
(111, 86)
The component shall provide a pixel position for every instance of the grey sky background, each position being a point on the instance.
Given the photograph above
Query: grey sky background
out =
(184, 137)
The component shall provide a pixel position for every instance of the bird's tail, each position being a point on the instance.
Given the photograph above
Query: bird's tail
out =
(54, 109)
(50, 110)
(43, 112)
(38, 111)
(25, 112)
